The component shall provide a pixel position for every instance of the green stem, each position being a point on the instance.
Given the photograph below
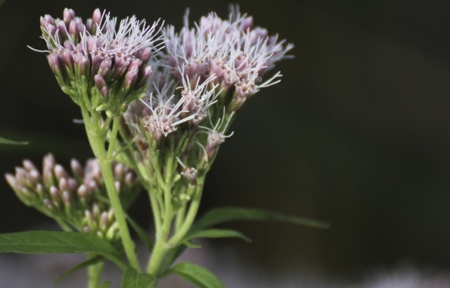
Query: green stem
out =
(63, 225)
(95, 275)
(190, 217)
(155, 210)
(97, 141)
(161, 248)
(180, 217)
(113, 138)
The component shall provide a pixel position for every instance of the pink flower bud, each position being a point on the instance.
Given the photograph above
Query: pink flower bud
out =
(77, 169)
(96, 17)
(11, 180)
(105, 66)
(60, 172)
(73, 30)
(28, 165)
(145, 56)
(73, 185)
(68, 15)
(53, 61)
(99, 81)
(48, 204)
(105, 92)
(84, 66)
(55, 194)
(89, 26)
(63, 184)
(66, 197)
(82, 191)
(130, 77)
(104, 221)
(43, 22)
(49, 19)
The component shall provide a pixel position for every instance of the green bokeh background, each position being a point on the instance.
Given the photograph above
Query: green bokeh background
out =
(357, 133)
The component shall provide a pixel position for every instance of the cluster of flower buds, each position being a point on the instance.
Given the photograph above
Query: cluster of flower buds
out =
(234, 51)
(93, 54)
(78, 199)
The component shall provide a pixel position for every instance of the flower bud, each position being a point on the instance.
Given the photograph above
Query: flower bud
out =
(48, 204)
(43, 22)
(68, 15)
(89, 26)
(73, 30)
(130, 78)
(96, 17)
(28, 165)
(145, 55)
(99, 82)
(49, 19)
(53, 61)
(62, 30)
(83, 66)
(129, 179)
(104, 92)
(63, 184)
(60, 172)
(73, 185)
(55, 194)
(77, 169)
(82, 191)
(144, 77)
(40, 190)
(66, 198)
(105, 66)
(104, 221)
(11, 180)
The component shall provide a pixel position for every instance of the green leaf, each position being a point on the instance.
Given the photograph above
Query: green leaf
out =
(6, 141)
(191, 245)
(134, 279)
(1, 2)
(57, 242)
(216, 233)
(89, 262)
(221, 215)
(197, 275)
(105, 285)
(142, 234)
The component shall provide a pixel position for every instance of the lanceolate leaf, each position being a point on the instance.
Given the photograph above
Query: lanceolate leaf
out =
(197, 275)
(191, 245)
(134, 279)
(89, 262)
(105, 285)
(6, 141)
(56, 242)
(216, 233)
(222, 215)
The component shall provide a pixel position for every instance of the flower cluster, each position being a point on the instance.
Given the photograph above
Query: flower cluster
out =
(79, 198)
(205, 72)
(84, 55)
(199, 82)
(233, 51)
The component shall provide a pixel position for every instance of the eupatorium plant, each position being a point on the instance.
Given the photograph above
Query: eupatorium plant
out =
(157, 104)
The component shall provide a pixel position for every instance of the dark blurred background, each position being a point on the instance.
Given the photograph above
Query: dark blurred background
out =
(357, 133)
